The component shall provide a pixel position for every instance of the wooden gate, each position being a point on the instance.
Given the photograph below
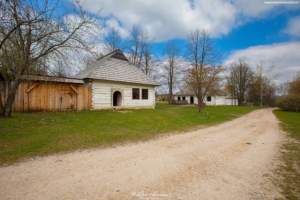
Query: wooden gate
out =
(41, 96)
(67, 100)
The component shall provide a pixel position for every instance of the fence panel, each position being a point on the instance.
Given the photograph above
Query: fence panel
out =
(40, 96)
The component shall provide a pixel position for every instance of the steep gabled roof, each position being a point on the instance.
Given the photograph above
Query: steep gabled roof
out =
(115, 67)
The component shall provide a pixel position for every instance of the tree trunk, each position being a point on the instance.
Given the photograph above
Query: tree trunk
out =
(1, 104)
(170, 92)
(199, 105)
(11, 98)
(261, 94)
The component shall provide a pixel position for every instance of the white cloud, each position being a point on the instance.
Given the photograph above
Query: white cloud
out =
(258, 8)
(293, 27)
(285, 57)
(170, 19)
(113, 23)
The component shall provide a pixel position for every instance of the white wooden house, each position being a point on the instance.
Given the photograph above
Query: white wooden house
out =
(117, 83)
(211, 100)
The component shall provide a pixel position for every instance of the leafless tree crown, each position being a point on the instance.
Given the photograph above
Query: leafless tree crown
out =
(113, 41)
(52, 33)
(203, 77)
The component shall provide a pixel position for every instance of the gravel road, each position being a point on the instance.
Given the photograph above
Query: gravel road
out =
(233, 160)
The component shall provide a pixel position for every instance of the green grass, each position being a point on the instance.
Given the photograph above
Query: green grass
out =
(27, 135)
(290, 171)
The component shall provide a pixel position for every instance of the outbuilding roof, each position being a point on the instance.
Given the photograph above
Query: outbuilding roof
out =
(115, 67)
(52, 79)
(188, 92)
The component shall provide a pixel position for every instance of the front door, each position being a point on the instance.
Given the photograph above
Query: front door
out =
(115, 99)
(192, 99)
(67, 99)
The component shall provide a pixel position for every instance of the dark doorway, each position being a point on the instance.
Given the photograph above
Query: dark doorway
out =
(117, 99)
(192, 99)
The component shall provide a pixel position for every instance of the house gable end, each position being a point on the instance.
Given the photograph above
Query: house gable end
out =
(119, 55)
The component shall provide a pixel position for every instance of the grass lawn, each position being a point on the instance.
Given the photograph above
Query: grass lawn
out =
(290, 122)
(27, 135)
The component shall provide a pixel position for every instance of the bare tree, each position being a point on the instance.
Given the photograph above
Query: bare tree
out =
(294, 90)
(291, 101)
(51, 29)
(134, 44)
(283, 88)
(149, 64)
(9, 25)
(10, 59)
(113, 41)
(171, 68)
(202, 54)
(210, 83)
(294, 85)
(240, 77)
(231, 83)
(265, 75)
(138, 44)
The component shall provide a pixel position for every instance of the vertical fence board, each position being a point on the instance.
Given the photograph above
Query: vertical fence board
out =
(25, 85)
(89, 102)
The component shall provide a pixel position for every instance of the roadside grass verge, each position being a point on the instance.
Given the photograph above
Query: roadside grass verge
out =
(290, 172)
(27, 135)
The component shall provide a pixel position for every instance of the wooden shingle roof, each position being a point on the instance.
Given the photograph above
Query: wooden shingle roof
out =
(52, 79)
(115, 67)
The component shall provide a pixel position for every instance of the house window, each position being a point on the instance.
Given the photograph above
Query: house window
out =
(208, 98)
(183, 98)
(135, 93)
(179, 99)
(144, 93)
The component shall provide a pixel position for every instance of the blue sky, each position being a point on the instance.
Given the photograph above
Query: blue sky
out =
(253, 28)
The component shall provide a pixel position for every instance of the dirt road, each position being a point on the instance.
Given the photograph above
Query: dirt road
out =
(229, 161)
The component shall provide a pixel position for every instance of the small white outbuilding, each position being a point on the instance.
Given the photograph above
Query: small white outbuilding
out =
(211, 100)
(116, 83)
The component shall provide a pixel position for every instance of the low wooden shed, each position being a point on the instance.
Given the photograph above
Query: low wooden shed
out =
(46, 93)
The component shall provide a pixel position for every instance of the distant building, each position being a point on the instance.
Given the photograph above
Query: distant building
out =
(211, 99)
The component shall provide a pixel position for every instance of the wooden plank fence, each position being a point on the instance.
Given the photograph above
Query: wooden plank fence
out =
(35, 96)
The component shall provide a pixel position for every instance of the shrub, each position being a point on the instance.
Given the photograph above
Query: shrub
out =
(289, 102)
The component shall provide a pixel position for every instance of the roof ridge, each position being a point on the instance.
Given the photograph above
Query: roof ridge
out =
(108, 54)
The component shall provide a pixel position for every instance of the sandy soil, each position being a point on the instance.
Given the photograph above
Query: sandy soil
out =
(229, 161)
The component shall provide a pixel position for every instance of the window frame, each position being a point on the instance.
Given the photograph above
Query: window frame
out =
(178, 98)
(147, 94)
(183, 98)
(133, 93)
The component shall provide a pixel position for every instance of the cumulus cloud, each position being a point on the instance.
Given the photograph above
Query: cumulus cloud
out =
(293, 27)
(114, 23)
(170, 19)
(285, 57)
(258, 9)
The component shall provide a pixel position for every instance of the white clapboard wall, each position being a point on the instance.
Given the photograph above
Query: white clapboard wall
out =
(102, 94)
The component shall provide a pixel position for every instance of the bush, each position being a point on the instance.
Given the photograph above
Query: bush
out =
(289, 103)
